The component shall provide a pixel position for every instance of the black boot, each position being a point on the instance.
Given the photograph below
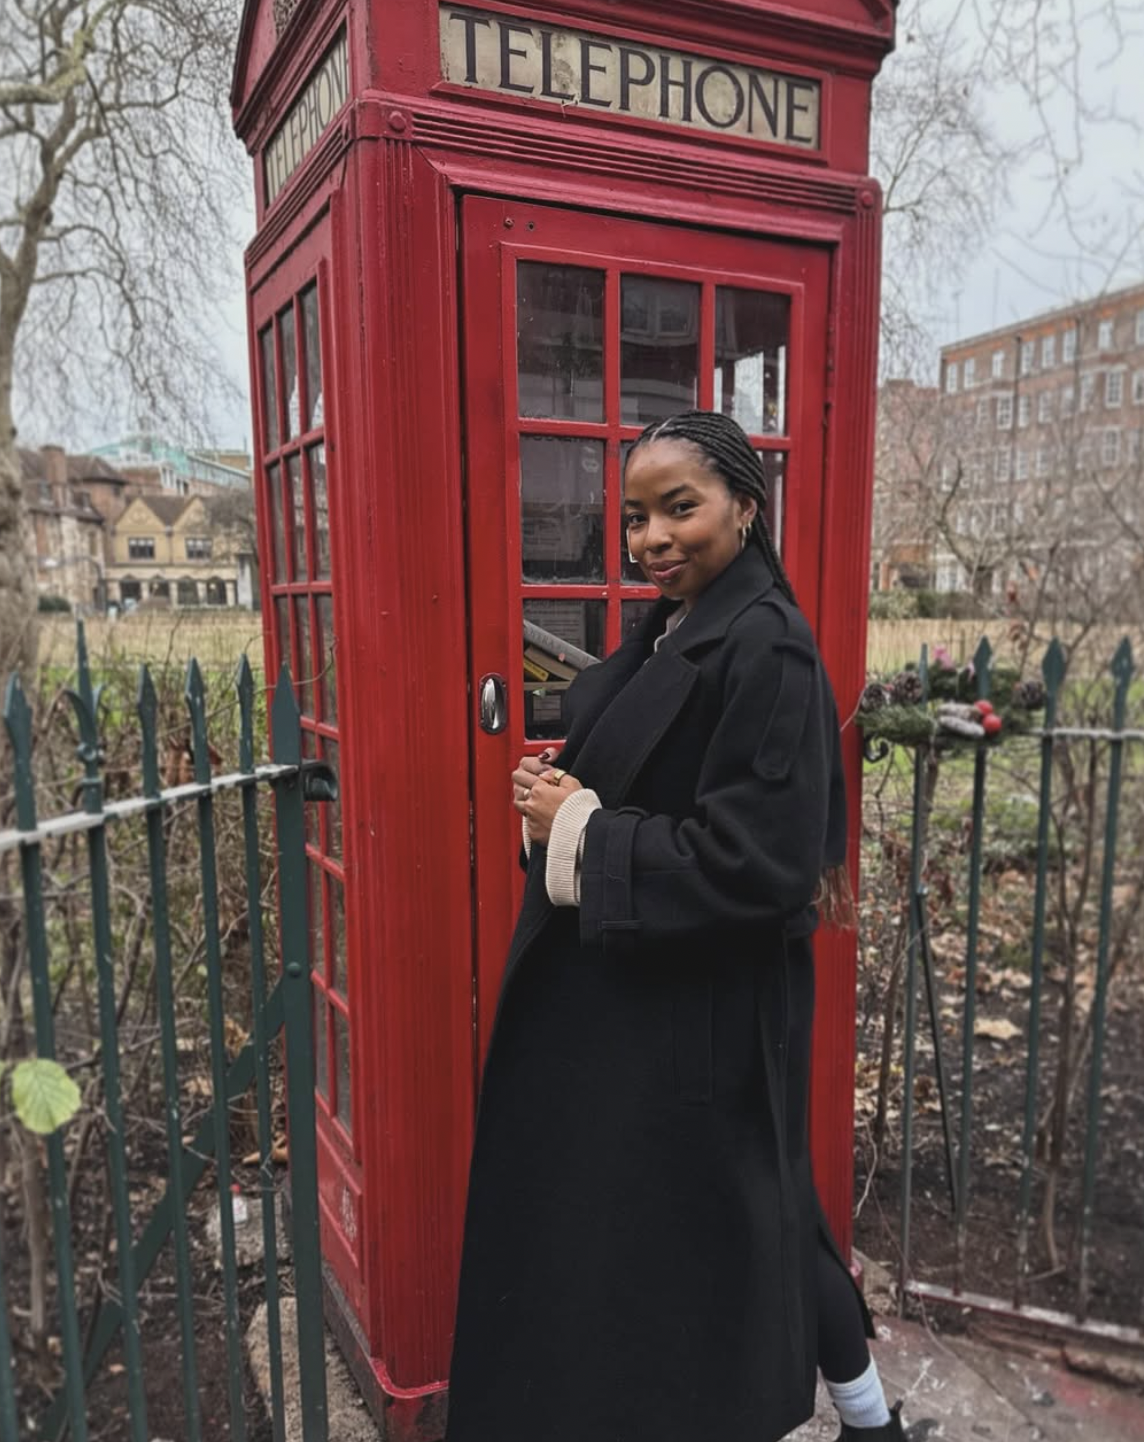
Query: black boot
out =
(890, 1431)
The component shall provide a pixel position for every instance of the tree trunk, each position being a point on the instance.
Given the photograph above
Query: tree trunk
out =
(18, 620)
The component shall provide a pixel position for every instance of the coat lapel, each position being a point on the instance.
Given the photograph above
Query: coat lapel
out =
(641, 691)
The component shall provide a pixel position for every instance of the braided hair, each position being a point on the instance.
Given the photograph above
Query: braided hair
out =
(724, 446)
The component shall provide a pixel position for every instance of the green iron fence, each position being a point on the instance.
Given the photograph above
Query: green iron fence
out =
(1111, 857)
(281, 1016)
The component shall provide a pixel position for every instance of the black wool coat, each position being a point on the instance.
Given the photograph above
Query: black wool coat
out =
(640, 1241)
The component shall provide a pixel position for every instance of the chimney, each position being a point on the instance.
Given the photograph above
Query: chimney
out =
(55, 465)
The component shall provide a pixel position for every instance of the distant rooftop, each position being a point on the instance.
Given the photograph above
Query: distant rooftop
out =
(1108, 300)
(144, 449)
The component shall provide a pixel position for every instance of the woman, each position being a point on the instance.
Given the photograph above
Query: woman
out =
(645, 1258)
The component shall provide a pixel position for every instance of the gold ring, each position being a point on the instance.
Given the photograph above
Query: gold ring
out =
(557, 776)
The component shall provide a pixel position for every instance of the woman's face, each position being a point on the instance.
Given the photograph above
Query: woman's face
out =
(684, 524)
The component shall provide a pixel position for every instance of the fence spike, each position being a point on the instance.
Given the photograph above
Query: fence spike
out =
(285, 721)
(983, 667)
(244, 685)
(147, 709)
(923, 671)
(195, 692)
(18, 723)
(1053, 671)
(1122, 669)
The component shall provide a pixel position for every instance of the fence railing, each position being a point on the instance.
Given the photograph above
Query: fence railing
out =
(1034, 709)
(284, 1012)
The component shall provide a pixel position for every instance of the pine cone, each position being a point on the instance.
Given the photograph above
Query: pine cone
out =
(874, 698)
(906, 689)
(1030, 695)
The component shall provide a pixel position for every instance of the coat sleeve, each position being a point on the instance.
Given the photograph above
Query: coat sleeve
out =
(754, 851)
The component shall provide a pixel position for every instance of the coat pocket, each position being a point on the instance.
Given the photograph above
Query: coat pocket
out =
(691, 1029)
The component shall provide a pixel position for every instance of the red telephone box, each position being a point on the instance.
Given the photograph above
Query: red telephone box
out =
(494, 241)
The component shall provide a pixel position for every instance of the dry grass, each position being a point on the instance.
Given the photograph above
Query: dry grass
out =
(172, 638)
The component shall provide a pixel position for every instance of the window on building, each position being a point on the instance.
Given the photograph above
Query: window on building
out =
(1138, 389)
(951, 377)
(1140, 327)
(1113, 389)
(1027, 356)
(1045, 407)
(1104, 335)
(1110, 447)
(141, 548)
(45, 491)
(1048, 352)
(1068, 400)
(1087, 391)
(198, 548)
(1042, 466)
(1004, 412)
(983, 413)
(969, 373)
(1132, 449)
(1068, 346)
(1024, 406)
(83, 499)
(1022, 465)
(977, 471)
(997, 365)
(1002, 464)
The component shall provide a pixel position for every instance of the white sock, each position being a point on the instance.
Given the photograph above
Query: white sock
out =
(860, 1403)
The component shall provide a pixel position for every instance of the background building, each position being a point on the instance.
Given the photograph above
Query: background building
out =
(156, 464)
(175, 551)
(73, 503)
(1023, 474)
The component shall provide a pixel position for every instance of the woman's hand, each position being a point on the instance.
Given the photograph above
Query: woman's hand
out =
(539, 790)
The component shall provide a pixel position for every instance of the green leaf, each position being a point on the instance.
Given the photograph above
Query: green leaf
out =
(44, 1096)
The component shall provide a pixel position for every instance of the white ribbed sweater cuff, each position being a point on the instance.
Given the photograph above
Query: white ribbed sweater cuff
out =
(566, 848)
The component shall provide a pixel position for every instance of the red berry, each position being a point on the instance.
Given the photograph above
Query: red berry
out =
(983, 708)
(992, 724)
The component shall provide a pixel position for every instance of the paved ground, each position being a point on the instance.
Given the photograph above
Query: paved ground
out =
(962, 1391)
(955, 1390)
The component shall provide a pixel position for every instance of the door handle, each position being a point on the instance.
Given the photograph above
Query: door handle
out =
(493, 704)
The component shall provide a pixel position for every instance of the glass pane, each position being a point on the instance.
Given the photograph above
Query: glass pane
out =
(629, 571)
(312, 354)
(659, 350)
(311, 820)
(314, 911)
(328, 659)
(752, 330)
(337, 899)
(282, 631)
(560, 639)
(561, 509)
(269, 389)
(332, 810)
(277, 521)
(289, 369)
(317, 459)
(632, 614)
(560, 341)
(304, 680)
(321, 1044)
(774, 467)
(297, 507)
(342, 1052)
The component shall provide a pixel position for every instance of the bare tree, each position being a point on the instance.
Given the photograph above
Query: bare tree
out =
(119, 184)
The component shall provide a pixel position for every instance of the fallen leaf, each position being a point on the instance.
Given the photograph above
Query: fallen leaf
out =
(999, 1029)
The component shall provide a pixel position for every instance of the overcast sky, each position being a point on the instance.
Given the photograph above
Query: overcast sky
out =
(1032, 260)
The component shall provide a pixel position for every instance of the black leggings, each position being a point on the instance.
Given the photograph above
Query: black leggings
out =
(842, 1351)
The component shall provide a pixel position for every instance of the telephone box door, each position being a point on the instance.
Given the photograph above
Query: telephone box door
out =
(579, 330)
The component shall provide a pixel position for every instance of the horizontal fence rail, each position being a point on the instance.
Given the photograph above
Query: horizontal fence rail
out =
(282, 1014)
(910, 712)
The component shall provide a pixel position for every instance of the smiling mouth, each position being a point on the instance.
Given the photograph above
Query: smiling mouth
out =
(666, 570)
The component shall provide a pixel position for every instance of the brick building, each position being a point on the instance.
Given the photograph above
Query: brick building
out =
(1039, 450)
(72, 503)
(902, 551)
(155, 464)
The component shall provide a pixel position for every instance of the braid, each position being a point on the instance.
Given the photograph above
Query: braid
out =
(726, 449)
